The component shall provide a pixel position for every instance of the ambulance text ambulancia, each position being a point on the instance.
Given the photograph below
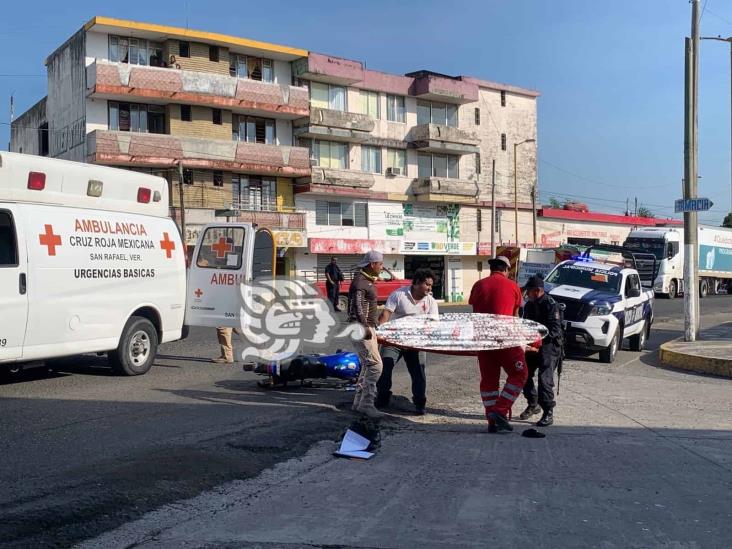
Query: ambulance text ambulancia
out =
(605, 303)
(91, 262)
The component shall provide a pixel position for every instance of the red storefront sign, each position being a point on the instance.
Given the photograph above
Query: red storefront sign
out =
(352, 246)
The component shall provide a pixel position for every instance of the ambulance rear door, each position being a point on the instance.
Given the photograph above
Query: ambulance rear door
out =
(13, 284)
(226, 255)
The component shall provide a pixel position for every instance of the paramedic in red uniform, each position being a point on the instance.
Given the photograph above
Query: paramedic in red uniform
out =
(499, 295)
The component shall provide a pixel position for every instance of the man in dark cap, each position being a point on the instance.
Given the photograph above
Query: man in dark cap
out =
(362, 308)
(499, 295)
(543, 309)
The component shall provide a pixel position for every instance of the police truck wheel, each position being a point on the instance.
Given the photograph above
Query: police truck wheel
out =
(608, 355)
(638, 341)
(672, 290)
(137, 348)
(343, 302)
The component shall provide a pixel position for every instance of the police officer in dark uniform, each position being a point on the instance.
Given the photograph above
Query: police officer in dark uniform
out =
(544, 310)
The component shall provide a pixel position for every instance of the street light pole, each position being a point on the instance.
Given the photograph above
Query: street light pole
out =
(728, 40)
(515, 188)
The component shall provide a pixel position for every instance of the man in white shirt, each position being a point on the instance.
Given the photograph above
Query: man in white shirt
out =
(407, 301)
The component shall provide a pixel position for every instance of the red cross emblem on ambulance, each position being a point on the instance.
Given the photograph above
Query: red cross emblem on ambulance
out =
(50, 240)
(167, 245)
(221, 247)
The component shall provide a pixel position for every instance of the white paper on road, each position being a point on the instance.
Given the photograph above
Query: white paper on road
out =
(354, 445)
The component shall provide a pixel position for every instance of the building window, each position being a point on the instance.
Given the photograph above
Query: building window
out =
(216, 116)
(43, 140)
(438, 165)
(395, 110)
(503, 141)
(218, 179)
(329, 154)
(185, 113)
(135, 51)
(430, 112)
(254, 192)
(478, 168)
(188, 176)
(131, 117)
(213, 54)
(370, 104)
(477, 116)
(184, 49)
(503, 98)
(396, 161)
(341, 214)
(327, 96)
(370, 159)
(253, 68)
(253, 130)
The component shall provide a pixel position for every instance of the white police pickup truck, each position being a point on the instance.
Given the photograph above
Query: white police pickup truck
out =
(604, 304)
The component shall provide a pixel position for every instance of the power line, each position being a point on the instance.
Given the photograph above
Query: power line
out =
(719, 16)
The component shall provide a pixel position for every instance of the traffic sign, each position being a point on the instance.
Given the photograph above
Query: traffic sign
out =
(693, 205)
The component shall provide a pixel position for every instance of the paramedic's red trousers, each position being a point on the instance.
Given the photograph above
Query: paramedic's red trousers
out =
(514, 363)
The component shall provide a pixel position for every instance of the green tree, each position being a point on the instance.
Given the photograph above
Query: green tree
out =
(727, 221)
(645, 212)
(554, 203)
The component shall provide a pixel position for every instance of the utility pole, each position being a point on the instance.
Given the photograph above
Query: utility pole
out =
(515, 187)
(493, 209)
(691, 299)
(533, 210)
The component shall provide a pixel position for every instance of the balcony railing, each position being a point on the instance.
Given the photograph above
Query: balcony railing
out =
(335, 125)
(158, 150)
(339, 178)
(443, 139)
(438, 188)
(106, 79)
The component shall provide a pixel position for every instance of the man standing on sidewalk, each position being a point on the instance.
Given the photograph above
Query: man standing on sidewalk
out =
(362, 308)
(333, 279)
(499, 296)
(407, 301)
(542, 309)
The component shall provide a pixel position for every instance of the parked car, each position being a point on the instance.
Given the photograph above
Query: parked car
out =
(385, 285)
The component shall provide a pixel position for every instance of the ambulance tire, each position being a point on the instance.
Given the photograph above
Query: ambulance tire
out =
(137, 348)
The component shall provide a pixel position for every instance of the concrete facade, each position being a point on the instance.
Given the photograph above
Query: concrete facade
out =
(149, 97)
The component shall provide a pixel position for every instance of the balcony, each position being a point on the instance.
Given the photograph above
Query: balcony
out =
(338, 178)
(438, 138)
(271, 219)
(326, 68)
(157, 150)
(335, 126)
(141, 83)
(435, 87)
(440, 189)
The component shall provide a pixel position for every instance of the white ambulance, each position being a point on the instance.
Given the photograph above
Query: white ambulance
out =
(91, 262)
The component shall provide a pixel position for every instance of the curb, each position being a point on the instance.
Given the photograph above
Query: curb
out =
(695, 363)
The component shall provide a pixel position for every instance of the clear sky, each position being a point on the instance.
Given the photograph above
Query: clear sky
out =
(611, 74)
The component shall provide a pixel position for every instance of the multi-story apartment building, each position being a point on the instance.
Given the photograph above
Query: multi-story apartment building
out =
(335, 158)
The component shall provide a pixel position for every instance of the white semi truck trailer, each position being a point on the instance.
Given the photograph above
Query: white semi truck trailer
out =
(667, 244)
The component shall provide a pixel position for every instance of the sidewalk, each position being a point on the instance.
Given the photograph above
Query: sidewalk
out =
(620, 468)
(711, 354)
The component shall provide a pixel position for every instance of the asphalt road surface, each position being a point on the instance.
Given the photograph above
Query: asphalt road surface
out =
(85, 451)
